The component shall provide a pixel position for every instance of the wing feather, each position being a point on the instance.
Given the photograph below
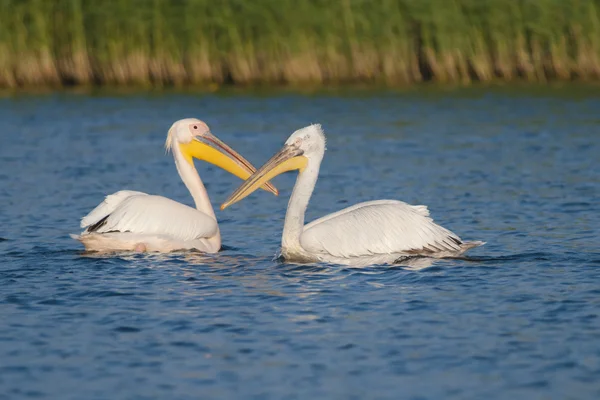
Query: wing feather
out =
(378, 227)
(110, 203)
(147, 214)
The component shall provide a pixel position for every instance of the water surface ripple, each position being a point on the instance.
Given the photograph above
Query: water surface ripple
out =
(519, 318)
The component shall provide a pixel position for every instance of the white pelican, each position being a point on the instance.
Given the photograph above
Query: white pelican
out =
(135, 221)
(374, 232)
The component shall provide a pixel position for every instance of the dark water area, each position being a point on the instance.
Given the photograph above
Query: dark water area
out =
(519, 318)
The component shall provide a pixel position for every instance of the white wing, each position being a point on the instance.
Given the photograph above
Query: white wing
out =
(110, 203)
(138, 212)
(378, 227)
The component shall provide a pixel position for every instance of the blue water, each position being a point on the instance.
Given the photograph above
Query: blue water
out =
(519, 319)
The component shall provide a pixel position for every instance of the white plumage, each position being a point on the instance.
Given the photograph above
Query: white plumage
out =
(152, 215)
(374, 228)
(110, 204)
(381, 231)
(145, 222)
(129, 220)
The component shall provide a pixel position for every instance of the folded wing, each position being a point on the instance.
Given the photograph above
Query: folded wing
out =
(378, 227)
(137, 212)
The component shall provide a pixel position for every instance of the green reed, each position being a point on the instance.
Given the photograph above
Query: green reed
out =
(394, 42)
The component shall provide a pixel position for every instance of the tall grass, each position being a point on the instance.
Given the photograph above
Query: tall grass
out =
(397, 42)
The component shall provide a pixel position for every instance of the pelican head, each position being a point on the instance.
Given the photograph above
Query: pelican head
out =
(310, 141)
(302, 146)
(192, 138)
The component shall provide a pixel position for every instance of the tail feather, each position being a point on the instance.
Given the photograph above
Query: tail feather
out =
(469, 245)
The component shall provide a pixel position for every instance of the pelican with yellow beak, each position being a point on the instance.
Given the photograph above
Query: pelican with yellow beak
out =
(374, 232)
(136, 221)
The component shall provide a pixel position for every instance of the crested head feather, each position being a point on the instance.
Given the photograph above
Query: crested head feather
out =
(170, 139)
(319, 130)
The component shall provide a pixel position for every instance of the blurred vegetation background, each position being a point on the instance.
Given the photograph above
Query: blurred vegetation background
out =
(200, 42)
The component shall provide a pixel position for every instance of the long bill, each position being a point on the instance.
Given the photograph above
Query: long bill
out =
(212, 150)
(287, 159)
